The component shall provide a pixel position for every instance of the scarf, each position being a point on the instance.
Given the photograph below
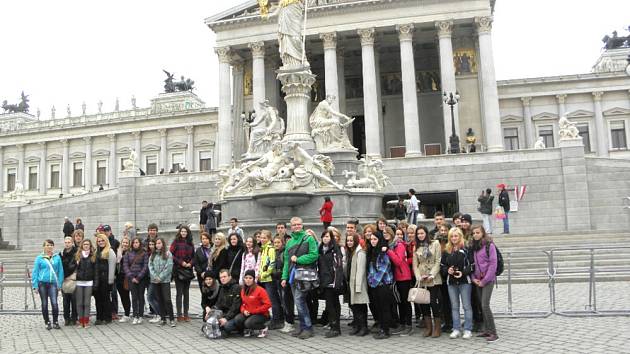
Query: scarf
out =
(85, 254)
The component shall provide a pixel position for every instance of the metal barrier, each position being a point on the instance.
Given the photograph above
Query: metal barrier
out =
(1, 286)
(28, 286)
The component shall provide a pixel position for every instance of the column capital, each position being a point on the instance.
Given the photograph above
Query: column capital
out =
(483, 24)
(597, 95)
(87, 139)
(223, 53)
(329, 39)
(561, 98)
(445, 28)
(20, 147)
(112, 137)
(162, 132)
(367, 36)
(64, 142)
(258, 49)
(189, 129)
(526, 100)
(238, 66)
(405, 32)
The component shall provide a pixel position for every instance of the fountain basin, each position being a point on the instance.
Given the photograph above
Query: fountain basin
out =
(285, 199)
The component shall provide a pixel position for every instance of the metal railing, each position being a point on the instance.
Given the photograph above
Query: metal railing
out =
(28, 287)
(1, 286)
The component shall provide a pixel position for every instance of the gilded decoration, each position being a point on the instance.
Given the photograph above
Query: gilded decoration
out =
(465, 61)
(247, 81)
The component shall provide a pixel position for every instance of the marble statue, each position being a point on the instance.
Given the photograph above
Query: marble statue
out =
(100, 106)
(52, 112)
(568, 130)
(290, 39)
(372, 176)
(315, 169)
(17, 193)
(131, 162)
(328, 127)
(540, 143)
(68, 111)
(258, 173)
(83, 108)
(267, 128)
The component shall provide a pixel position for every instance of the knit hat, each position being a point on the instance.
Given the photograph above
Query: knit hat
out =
(467, 217)
(251, 273)
(207, 275)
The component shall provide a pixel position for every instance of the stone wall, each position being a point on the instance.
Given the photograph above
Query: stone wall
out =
(609, 185)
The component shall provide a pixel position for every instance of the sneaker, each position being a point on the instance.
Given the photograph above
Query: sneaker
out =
(306, 334)
(247, 333)
(135, 321)
(407, 332)
(287, 328)
(492, 338)
(467, 335)
(139, 320)
(263, 333)
(455, 334)
(161, 323)
(48, 326)
(381, 335)
(296, 332)
(398, 330)
(56, 325)
(123, 319)
(155, 319)
(171, 323)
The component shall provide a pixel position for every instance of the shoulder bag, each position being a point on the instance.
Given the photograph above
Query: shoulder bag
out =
(419, 295)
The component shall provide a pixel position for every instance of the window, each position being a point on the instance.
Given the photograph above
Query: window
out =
(122, 163)
(101, 172)
(586, 138)
(77, 176)
(510, 138)
(54, 176)
(205, 161)
(11, 179)
(32, 178)
(177, 162)
(618, 135)
(546, 132)
(151, 162)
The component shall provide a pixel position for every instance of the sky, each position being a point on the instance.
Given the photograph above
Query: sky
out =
(69, 51)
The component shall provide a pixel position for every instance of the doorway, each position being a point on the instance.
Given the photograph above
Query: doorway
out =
(358, 134)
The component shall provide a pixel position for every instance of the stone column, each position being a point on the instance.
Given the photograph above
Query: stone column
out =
(20, 171)
(43, 186)
(163, 150)
(410, 97)
(113, 161)
(561, 105)
(258, 73)
(330, 66)
(65, 168)
(224, 132)
(1, 172)
(600, 127)
(137, 145)
(238, 131)
(447, 75)
(370, 99)
(190, 148)
(341, 79)
(490, 97)
(88, 164)
(530, 132)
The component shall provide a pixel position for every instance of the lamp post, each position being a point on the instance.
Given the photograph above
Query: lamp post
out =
(451, 100)
(248, 118)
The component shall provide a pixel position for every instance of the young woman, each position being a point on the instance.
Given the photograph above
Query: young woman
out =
(160, 269)
(399, 234)
(456, 267)
(285, 296)
(410, 232)
(235, 255)
(254, 307)
(330, 267)
(357, 284)
(152, 298)
(218, 258)
(47, 279)
(380, 277)
(250, 259)
(337, 235)
(78, 236)
(136, 265)
(122, 285)
(209, 293)
(87, 279)
(402, 275)
(106, 267)
(266, 267)
(485, 255)
(201, 259)
(426, 268)
(69, 268)
(325, 212)
(182, 250)
(445, 305)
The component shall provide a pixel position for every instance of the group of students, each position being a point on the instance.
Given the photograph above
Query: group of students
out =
(242, 277)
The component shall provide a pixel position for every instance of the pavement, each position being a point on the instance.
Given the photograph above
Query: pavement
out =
(25, 333)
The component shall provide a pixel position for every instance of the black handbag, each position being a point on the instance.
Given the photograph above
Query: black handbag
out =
(184, 273)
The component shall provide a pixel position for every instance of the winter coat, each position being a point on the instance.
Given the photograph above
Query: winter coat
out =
(330, 267)
(267, 262)
(278, 265)
(47, 270)
(459, 259)
(485, 204)
(504, 200)
(234, 259)
(182, 251)
(398, 257)
(161, 269)
(358, 278)
(485, 263)
(211, 221)
(307, 253)
(136, 265)
(325, 212)
(210, 295)
(229, 299)
(250, 261)
(120, 269)
(106, 268)
(428, 265)
(256, 302)
(216, 264)
(68, 228)
(86, 270)
(68, 261)
(200, 260)
(203, 216)
(380, 272)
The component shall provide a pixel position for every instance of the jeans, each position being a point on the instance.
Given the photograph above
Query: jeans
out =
(103, 302)
(163, 293)
(487, 223)
(287, 304)
(69, 307)
(384, 300)
(412, 217)
(485, 294)
(276, 304)
(152, 298)
(304, 316)
(333, 307)
(404, 307)
(456, 292)
(137, 297)
(182, 289)
(83, 295)
(113, 294)
(46, 291)
(436, 299)
(124, 297)
(506, 223)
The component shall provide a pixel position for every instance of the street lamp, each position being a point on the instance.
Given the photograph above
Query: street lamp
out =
(451, 100)
(248, 118)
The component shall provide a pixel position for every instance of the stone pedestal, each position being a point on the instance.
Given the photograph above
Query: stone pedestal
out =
(11, 222)
(573, 142)
(296, 84)
(343, 160)
(126, 198)
(575, 182)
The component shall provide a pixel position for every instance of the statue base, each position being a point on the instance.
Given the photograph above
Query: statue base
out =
(570, 142)
(296, 84)
(343, 159)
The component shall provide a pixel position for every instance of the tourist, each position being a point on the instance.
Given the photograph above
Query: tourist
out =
(47, 278)
(218, 258)
(68, 228)
(250, 257)
(400, 210)
(122, 282)
(78, 236)
(79, 225)
(331, 280)
(129, 230)
(281, 230)
(466, 226)
(211, 220)
(182, 250)
(397, 253)
(399, 235)
(410, 232)
(112, 296)
(337, 235)
(504, 202)
(69, 268)
(152, 234)
(484, 277)
(161, 271)
(380, 278)
(438, 220)
(413, 208)
(152, 297)
(87, 279)
(381, 226)
(257, 238)
(228, 302)
(445, 304)
(136, 266)
(325, 212)
(201, 259)
(203, 217)
(265, 270)
(255, 305)
(426, 267)
(286, 298)
(105, 267)
(300, 255)
(209, 293)
(456, 267)
(457, 219)
(357, 284)
(485, 208)
(234, 228)
(235, 255)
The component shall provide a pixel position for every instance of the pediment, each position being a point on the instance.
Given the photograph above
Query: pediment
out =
(31, 159)
(204, 142)
(545, 116)
(245, 9)
(510, 118)
(150, 147)
(124, 150)
(580, 113)
(177, 145)
(77, 155)
(11, 161)
(100, 153)
(616, 111)
(54, 157)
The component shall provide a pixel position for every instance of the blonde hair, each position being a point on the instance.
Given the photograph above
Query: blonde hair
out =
(78, 254)
(217, 249)
(369, 226)
(105, 251)
(450, 245)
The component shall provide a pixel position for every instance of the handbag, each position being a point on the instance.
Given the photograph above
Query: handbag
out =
(306, 274)
(419, 295)
(184, 273)
(69, 284)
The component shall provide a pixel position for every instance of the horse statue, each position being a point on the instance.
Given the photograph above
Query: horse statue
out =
(14, 108)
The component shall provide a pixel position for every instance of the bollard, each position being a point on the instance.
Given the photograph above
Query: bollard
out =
(510, 311)
(592, 299)
(26, 276)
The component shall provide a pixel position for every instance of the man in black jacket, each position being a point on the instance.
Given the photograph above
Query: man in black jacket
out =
(485, 208)
(203, 216)
(229, 301)
(504, 201)
(68, 228)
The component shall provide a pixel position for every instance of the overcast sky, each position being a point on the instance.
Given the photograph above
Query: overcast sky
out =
(68, 51)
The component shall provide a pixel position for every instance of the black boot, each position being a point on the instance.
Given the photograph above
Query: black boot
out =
(355, 330)
(363, 331)
(382, 335)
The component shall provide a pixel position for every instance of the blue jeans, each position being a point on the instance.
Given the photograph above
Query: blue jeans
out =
(276, 304)
(152, 298)
(412, 217)
(506, 223)
(46, 291)
(299, 297)
(463, 291)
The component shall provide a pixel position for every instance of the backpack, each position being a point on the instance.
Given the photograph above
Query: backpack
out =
(500, 265)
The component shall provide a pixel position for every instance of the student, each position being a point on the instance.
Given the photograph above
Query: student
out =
(250, 259)
(234, 255)
(106, 267)
(78, 236)
(265, 271)
(47, 278)
(154, 305)
(209, 293)
(201, 258)
(160, 269)
(445, 307)
(87, 279)
(286, 298)
(426, 267)
(380, 278)
(325, 212)
(484, 277)
(330, 267)
(69, 268)
(182, 250)
(255, 305)
(397, 253)
(136, 266)
(357, 284)
(234, 228)
(228, 302)
(122, 285)
(218, 258)
(281, 230)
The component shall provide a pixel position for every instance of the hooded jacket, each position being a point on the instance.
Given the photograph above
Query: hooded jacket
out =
(306, 254)
(267, 262)
(330, 266)
(47, 270)
(229, 299)
(256, 301)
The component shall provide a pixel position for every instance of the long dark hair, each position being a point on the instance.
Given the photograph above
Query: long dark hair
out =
(485, 238)
(162, 252)
(427, 237)
(374, 252)
(255, 248)
(140, 249)
(178, 236)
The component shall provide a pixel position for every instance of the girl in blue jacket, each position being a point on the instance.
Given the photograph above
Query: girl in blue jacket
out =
(47, 279)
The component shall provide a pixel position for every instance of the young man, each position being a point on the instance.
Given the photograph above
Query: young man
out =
(281, 230)
(228, 301)
(413, 208)
(485, 208)
(203, 216)
(235, 229)
(352, 226)
(438, 220)
(152, 235)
